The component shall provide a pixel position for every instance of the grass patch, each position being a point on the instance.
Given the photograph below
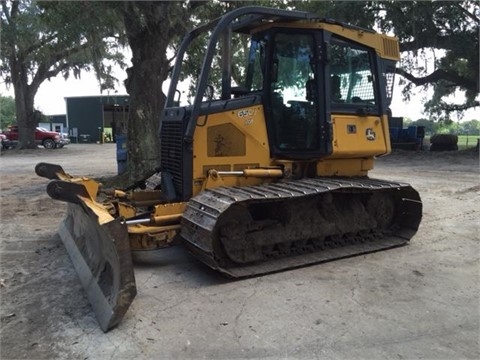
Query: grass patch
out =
(467, 141)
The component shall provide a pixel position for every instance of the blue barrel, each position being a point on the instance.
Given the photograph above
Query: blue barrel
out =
(121, 141)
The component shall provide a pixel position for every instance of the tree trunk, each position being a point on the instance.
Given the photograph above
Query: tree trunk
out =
(150, 26)
(26, 119)
(23, 105)
(144, 84)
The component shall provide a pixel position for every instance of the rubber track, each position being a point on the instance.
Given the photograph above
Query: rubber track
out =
(203, 211)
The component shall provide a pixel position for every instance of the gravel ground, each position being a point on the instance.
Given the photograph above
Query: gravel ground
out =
(417, 301)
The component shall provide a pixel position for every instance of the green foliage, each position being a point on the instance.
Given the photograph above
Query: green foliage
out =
(429, 125)
(471, 127)
(240, 44)
(50, 38)
(7, 111)
(440, 45)
(352, 12)
(43, 39)
(447, 127)
(438, 39)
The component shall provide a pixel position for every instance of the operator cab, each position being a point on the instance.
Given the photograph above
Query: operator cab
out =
(305, 76)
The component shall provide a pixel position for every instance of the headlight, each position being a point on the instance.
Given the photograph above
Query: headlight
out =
(57, 137)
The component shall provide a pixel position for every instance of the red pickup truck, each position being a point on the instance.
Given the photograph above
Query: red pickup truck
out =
(49, 139)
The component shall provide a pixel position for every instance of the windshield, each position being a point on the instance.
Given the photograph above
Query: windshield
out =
(352, 79)
(294, 109)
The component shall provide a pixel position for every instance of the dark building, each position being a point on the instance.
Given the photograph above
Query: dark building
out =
(89, 118)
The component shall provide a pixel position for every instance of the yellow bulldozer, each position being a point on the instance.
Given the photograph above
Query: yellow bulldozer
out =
(263, 169)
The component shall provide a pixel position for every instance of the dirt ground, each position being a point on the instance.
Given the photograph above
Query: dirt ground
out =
(417, 301)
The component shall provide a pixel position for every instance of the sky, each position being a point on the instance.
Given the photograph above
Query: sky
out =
(51, 94)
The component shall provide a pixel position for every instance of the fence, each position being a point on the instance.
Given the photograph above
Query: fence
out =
(467, 141)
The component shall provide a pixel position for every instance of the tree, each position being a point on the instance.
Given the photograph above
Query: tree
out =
(150, 28)
(447, 127)
(7, 111)
(154, 30)
(471, 127)
(429, 125)
(351, 12)
(448, 33)
(43, 39)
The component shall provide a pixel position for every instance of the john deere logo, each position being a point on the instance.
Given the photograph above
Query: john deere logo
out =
(370, 134)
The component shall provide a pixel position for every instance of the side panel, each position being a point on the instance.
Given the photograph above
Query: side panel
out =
(230, 141)
(357, 140)
(359, 136)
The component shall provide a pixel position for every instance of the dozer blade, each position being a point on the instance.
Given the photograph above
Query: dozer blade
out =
(99, 249)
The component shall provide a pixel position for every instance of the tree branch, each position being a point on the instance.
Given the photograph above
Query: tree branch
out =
(39, 44)
(425, 40)
(436, 76)
(13, 10)
(5, 11)
(459, 107)
(467, 13)
(43, 71)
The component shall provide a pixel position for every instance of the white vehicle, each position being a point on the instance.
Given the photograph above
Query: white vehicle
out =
(66, 138)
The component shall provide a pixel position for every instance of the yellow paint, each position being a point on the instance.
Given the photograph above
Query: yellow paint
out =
(344, 167)
(103, 216)
(225, 140)
(386, 46)
(357, 140)
(156, 235)
(90, 185)
(126, 210)
(169, 209)
(244, 141)
(359, 136)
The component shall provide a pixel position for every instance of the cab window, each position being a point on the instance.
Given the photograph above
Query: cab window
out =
(351, 75)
